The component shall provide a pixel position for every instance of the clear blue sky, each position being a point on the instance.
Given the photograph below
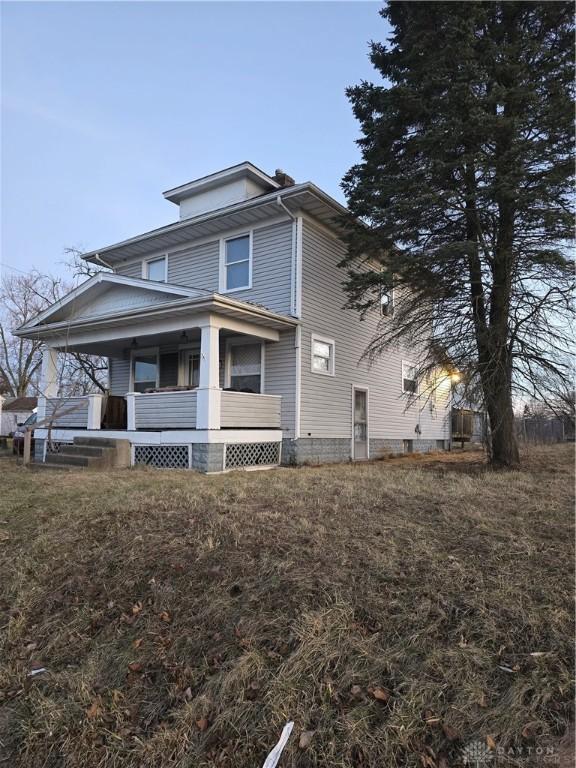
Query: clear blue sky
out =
(105, 105)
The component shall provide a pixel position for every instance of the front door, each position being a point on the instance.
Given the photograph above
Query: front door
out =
(190, 367)
(360, 426)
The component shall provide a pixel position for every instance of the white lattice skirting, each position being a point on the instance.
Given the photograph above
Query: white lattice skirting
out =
(252, 455)
(169, 456)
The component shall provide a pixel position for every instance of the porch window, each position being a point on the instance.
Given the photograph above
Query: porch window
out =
(409, 380)
(237, 263)
(155, 269)
(246, 367)
(323, 355)
(144, 371)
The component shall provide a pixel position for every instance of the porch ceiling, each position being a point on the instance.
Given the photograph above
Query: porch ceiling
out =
(121, 347)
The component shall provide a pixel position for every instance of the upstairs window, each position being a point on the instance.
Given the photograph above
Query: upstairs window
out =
(322, 355)
(155, 269)
(409, 380)
(236, 268)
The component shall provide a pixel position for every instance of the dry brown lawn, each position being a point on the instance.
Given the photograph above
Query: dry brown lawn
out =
(398, 610)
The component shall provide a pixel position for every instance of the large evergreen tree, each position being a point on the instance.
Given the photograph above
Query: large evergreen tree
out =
(464, 192)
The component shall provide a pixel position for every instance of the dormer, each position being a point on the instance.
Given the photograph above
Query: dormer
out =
(218, 190)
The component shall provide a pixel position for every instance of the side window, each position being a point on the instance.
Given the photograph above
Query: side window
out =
(387, 302)
(155, 269)
(409, 380)
(236, 269)
(323, 353)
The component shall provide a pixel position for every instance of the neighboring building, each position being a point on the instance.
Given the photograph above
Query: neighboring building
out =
(228, 340)
(14, 411)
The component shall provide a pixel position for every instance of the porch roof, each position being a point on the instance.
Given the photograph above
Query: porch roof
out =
(109, 301)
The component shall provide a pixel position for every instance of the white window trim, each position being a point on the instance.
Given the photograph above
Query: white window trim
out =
(323, 340)
(240, 342)
(145, 263)
(408, 363)
(144, 351)
(222, 276)
(362, 388)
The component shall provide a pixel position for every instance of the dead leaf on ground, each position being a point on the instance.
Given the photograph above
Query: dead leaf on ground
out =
(165, 616)
(356, 691)
(137, 607)
(135, 666)
(305, 739)
(381, 694)
(137, 643)
(450, 733)
(490, 742)
(202, 723)
(94, 710)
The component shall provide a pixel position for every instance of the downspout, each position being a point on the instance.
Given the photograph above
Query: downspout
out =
(294, 261)
(294, 309)
(101, 260)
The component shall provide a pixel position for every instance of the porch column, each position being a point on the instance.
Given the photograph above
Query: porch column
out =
(95, 411)
(208, 392)
(48, 386)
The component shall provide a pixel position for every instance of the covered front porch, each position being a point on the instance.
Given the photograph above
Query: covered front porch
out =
(188, 374)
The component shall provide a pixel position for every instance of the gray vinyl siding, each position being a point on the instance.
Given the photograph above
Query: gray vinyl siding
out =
(119, 375)
(245, 411)
(166, 410)
(169, 363)
(280, 377)
(196, 267)
(326, 401)
(271, 269)
(131, 269)
(199, 267)
(67, 412)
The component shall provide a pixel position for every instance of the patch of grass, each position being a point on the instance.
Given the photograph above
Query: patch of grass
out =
(397, 609)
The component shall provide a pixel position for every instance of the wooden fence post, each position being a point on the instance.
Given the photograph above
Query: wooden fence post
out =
(27, 447)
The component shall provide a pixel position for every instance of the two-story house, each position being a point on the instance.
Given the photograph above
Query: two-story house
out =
(228, 341)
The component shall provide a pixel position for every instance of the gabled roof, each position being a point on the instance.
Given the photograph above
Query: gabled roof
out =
(106, 291)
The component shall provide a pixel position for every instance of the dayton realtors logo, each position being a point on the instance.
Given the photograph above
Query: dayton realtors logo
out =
(477, 754)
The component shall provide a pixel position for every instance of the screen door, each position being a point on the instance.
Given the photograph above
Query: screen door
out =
(360, 423)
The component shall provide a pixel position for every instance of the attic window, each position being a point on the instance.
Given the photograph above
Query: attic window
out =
(155, 269)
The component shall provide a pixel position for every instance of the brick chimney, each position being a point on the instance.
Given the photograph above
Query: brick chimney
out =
(282, 178)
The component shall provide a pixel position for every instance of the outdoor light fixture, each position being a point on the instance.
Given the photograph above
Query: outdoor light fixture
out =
(134, 344)
(183, 337)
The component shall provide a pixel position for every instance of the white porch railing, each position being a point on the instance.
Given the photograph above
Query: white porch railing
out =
(244, 410)
(162, 410)
(168, 410)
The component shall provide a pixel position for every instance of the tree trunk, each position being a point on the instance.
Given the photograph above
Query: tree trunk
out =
(504, 446)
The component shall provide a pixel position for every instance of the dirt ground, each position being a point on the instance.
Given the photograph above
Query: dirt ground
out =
(397, 611)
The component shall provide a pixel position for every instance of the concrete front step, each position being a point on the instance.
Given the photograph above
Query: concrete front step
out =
(75, 460)
(97, 442)
(92, 453)
(48, 465)
(85, 450)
